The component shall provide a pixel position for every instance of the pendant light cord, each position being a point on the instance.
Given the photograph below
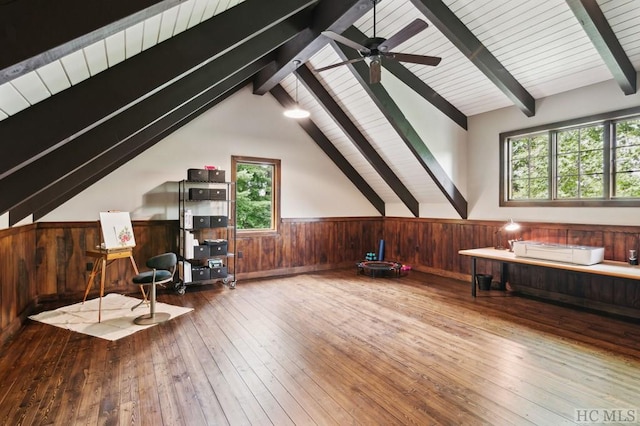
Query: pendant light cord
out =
(297, 64)
(296, 112)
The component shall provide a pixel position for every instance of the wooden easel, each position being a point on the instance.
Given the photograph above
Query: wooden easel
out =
(103, 257)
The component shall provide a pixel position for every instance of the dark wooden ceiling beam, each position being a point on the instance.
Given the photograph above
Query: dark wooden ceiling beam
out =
(29, 182)
(351, 130)
(72, 184)
(98, 98)
(606, 43)
(332, 152)
(332, 15)
(404, 129)
(34, 33)
(453, 28)
(419, 86)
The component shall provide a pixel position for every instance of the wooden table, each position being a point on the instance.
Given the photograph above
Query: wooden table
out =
(607, 267)
(103, 259)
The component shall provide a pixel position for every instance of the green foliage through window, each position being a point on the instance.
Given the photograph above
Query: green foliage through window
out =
(257, 193)
(627, 159)
(580, 163)
(254, 196)
(597, 161)
(529, 167)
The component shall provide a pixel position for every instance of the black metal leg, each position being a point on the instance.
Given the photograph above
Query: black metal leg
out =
(504, 276)
(473, 277)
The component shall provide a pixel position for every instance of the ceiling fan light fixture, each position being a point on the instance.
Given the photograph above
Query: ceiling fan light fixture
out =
(375, 70)
(296, 111)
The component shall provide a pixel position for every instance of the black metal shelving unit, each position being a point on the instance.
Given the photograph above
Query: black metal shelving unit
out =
(207, 215)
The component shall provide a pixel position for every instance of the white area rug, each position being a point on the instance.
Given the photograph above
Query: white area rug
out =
(117, 316)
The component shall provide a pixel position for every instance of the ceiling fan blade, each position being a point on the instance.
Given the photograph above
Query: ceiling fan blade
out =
(328, 67)
(375, 70)
(403, 35)
(414, 59)
(346, 41)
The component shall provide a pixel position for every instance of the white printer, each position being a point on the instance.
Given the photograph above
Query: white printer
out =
(580, 255)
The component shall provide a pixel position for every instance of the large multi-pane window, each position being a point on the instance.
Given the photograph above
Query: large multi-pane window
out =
(257, 193)
(573, 164)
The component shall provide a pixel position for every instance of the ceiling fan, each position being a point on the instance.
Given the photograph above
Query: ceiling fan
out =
(377, 48)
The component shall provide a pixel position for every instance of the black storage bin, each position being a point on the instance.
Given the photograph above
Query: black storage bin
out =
(201, 252)
(198, 193)
(200, 273)
(207, 194)
(217, 247)
(217, 194)
(198, 175)
(201, 222)
(220, 272)
(216, 176)
(218, 221)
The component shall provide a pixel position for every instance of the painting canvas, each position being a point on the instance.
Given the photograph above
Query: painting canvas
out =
(117, 231)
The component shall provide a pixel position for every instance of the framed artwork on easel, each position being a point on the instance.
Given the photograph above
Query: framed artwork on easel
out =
(117, 232)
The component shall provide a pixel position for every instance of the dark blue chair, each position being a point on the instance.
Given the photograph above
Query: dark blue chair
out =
(163, 268)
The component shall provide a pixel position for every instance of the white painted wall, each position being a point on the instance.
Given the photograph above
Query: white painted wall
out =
(483, 155)
(244, 124)
(446, 140)
(312, 186)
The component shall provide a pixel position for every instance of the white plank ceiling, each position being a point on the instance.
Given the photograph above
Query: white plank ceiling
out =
(541, 43)
(77, 66)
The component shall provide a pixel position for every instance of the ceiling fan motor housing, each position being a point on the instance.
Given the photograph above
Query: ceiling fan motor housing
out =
(372, 44)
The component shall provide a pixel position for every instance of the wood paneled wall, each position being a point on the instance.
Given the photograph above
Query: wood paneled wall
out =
(433, 245)
(47, 260)
(308, 245)
(17, 277)
(62, 269)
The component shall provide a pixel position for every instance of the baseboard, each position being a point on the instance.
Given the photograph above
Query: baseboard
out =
(293, 271)
(442, 273)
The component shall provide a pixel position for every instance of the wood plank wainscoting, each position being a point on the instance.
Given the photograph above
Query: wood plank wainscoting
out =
(45, 261)
(432, 246)
(18, 292)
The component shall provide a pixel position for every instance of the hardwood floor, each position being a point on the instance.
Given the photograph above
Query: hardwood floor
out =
(331, 348)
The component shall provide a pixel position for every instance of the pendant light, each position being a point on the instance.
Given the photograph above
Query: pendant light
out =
(296, 111)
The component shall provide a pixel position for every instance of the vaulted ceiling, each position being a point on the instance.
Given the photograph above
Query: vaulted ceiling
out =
(87, 86)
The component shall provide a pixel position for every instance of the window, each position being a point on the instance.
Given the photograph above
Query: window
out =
(580, 162)
(257, 193)
(626, 155)
(529, 167)
(590, 162)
